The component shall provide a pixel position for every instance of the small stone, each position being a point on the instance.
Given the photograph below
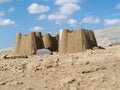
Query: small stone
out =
(68, 80)
(87, 62)
(2, 83)
(29, 88)
(3, 57)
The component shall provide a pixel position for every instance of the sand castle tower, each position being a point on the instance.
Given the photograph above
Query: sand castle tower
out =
(76, 41)
(25, 44)
(47, 40)
(63, 40)
(55, 45)
(17, 44)
(39, 41)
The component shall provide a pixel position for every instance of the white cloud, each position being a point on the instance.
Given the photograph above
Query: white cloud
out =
(36, 29)
(57, 18)
(72, 22)
(2, 13)
(65, 11)
(36, 8)
(61, 2)
(114, 15)
(68, 9)
(91, 20)
(111, 21)
(3, 1)
(42, 17)
(11, 9)
(6, 22)
(45, 0)
(118, 6)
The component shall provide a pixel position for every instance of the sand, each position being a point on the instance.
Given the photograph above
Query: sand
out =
(90, 70)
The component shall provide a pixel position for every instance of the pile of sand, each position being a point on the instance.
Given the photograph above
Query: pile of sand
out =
(90, 70)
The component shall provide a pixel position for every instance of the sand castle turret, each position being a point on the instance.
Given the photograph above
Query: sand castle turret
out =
(51, 42)
(31, 47)
(17, 45)
(63, 40)
(25, 44)
(39, 41)
(47, 40)
(55, 40)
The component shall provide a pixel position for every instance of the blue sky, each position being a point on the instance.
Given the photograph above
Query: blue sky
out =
(52, 15)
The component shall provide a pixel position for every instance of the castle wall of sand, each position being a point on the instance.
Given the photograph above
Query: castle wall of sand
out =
(28, 44)
(70, 41)
(76, 41)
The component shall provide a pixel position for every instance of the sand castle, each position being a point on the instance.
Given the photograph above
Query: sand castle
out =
(76, 41)
(28, 44)
(70, 42)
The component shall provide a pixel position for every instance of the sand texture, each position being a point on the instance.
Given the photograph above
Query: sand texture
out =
(90, 70)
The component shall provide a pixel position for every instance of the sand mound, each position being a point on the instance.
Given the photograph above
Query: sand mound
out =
(91, 70)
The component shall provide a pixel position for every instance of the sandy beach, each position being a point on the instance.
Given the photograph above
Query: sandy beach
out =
(59, 45)
(91, 70)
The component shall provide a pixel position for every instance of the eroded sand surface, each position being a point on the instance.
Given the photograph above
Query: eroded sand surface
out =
(90, 70)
